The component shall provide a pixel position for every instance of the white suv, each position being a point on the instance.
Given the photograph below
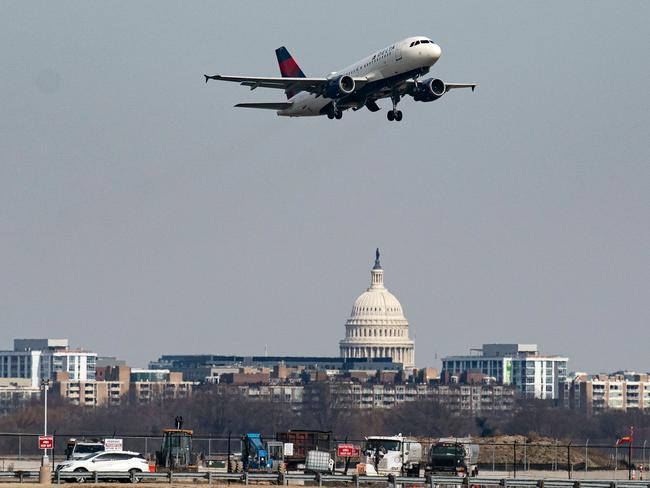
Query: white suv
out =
(106, 462)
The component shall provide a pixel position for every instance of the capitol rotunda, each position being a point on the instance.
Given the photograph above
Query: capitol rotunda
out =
(377, 327)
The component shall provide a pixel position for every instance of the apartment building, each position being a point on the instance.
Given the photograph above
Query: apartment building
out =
(623, 391)
(521, 365)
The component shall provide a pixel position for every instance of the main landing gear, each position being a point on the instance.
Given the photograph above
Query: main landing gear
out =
(394, 114)
(334, 112)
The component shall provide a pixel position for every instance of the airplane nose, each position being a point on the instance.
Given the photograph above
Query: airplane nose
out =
(435, 52)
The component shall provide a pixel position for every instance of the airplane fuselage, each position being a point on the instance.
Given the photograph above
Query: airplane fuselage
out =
(397, 62)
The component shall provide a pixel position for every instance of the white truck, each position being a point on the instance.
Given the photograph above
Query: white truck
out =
(396, 455)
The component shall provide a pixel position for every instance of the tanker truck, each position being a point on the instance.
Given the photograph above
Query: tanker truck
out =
(397, 455)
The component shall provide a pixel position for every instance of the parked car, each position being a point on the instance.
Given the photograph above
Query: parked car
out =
(126, 462)
(77, 449)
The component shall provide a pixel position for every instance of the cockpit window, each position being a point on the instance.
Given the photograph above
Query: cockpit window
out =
(416, 43)
(424, 41)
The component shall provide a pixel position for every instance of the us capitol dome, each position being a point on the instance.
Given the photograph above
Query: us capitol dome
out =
(377, 327)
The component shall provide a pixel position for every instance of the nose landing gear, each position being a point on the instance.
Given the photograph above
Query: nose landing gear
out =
(394, 114)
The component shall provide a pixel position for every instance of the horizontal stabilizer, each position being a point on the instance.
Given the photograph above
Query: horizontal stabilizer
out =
(269, 105)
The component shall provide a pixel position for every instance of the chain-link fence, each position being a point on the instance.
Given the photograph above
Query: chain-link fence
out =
(515, 455)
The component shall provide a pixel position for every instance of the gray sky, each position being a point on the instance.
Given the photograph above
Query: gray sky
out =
(141, 214)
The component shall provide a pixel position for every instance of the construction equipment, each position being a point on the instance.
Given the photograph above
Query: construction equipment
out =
(453, 456)
(176, 453)
(258, 455)
(254, 454)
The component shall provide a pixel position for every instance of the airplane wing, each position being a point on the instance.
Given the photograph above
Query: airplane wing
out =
(266, 105)
(312, 85)
(448, 86)
(451, 86)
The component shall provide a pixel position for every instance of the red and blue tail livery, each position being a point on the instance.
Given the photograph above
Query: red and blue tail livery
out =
(288, 68)
(393, 72)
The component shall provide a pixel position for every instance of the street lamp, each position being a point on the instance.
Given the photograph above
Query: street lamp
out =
(45, 384)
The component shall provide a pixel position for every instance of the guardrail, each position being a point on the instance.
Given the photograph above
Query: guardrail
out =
(320, 479)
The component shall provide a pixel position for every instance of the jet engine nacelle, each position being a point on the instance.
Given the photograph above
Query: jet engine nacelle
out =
(429, 90)
(339, 87)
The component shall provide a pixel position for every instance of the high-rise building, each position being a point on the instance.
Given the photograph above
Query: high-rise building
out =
(41, 359)
(377, 327)
(532, 374)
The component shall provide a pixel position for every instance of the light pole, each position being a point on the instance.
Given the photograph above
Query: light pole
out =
(45, 384)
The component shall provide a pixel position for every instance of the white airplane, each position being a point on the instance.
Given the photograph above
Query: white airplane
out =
(392, 72)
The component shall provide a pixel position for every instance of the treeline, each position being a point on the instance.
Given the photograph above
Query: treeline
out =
(217, 415)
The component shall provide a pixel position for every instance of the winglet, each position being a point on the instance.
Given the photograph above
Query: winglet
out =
(206, 78)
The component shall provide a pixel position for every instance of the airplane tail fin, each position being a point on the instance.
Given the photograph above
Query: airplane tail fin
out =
(288, 68)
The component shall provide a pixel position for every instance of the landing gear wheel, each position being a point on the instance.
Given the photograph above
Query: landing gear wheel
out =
(390, 115)
(338, 115)
(330, 115)
(398, 115)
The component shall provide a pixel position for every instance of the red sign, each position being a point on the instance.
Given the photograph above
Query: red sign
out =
(45, 442)
(348, 450)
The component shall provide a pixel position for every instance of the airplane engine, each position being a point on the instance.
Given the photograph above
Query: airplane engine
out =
(429, 90)
(339, 87)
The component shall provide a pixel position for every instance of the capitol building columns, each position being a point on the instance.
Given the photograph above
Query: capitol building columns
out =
(377, 327)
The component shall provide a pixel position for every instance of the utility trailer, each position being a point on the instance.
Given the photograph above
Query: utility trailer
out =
(304, 441)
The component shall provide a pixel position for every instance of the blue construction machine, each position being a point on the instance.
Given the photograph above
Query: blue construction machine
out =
(254, 454)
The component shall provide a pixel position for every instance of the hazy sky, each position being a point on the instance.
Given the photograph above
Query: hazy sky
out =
(141, 214)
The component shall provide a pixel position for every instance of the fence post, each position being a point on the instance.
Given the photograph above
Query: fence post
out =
(514, 459)
(20, 446)
(568, 459)
(58, 477)
(246, 478)
(171, 476)
(494, 446)
(356, 480)
(209, 477)
(525, 458)
(95, 477)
